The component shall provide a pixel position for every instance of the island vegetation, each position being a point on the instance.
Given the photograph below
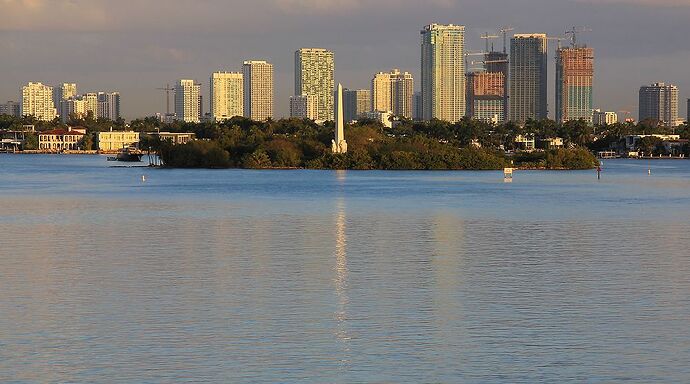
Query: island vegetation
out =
(434, 145)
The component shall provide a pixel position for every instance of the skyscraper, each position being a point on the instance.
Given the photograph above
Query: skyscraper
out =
(187, 101)
(227, 95)
(486, 96)
(91, 99)
(356, 103)
(687, 118)
(659, 102)
(109, 105)
(37, 101)
(393, 92)
(497, 62)
(314, 75)
(258, 89)
(443, 72)
(528, 77)
(574, 82)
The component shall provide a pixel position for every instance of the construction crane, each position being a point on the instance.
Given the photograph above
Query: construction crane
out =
(504, 31)
(488, 37)
(167, 90)
(573, 34)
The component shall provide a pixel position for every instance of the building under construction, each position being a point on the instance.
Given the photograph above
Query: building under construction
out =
(486, 96)
(574, 81)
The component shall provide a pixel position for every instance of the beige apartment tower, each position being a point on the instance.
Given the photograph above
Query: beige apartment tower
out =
(187, 101)
(304, 107)
(37, 101)
(443, 72)
(393, 92)
(227, 95)
(258, 90)
(314, 75)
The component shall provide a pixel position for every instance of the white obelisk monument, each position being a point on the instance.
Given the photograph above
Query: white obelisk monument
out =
(339, 144)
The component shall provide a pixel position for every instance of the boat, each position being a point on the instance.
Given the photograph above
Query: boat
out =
(129, 154)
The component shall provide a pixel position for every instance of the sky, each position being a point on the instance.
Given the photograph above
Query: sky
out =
(137, 46)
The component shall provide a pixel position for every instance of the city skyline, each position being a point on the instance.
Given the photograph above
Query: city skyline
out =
(626, 58)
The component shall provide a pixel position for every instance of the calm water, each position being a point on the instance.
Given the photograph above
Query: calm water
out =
(342, 277)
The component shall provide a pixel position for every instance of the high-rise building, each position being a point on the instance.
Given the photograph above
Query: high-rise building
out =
(392, 92)
(187, 101)
(659, 102)
(11, 108)
(304, 107)
(357, 102)
(486, 96)
(443, 72)
(574, 83)
(258, 90)
(600, 117)
(687, 119)
(91, 104)
(528, 77)
(497, 62)
(109, 105)
(37, 101)
(227, 95)
(63, 92)
(315, 75)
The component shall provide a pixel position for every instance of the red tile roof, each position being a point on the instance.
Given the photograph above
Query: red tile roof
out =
(60, 132)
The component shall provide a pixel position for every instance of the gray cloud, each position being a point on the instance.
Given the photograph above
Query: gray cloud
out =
(135, 46)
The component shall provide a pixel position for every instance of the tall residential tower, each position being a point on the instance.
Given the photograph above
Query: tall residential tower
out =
(659, 102)
(258, 89)
(528, 77)
(187, 101)
(227, 95)
(443, 72)
(37, 101)
(393, 92)
(315, 75)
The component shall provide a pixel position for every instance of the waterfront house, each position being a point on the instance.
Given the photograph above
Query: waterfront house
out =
(59, 140)
(116, 140)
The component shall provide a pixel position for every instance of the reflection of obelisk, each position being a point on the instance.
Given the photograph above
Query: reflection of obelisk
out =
(339, 144)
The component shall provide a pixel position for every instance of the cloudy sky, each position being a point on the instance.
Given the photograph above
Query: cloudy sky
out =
(136, 46)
